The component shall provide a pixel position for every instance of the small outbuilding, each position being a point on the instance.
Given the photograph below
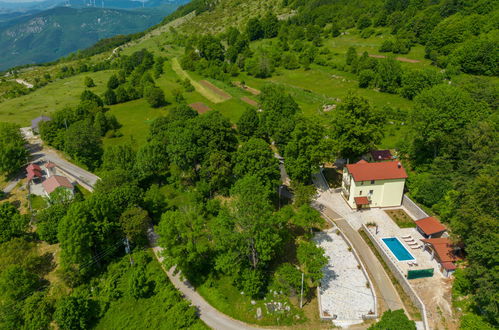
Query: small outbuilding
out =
(379, 156)
(35, 123)
(444, 252)
(56, 181)
(430, 227)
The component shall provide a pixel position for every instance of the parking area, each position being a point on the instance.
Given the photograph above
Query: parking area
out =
(346, 295)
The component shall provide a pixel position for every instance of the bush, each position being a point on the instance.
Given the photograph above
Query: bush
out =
(88, 82)
(386, 46)
(154, 96)
(366, 77)
(367, 33)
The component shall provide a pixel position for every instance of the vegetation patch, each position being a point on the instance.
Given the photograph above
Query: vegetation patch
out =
(401, 218)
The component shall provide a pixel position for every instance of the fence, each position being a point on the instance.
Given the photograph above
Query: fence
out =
(419, 273)
(414, 208)
(400, 277)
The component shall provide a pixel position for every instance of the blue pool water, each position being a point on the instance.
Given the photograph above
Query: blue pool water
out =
(398, 250)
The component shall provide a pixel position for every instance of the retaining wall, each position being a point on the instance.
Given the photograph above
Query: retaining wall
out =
(414, 208)
(75, 178)
(400, 276)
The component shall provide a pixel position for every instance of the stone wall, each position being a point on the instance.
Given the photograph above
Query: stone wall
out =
(414, 208)
(400, 276)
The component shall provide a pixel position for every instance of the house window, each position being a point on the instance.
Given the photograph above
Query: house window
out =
(371, 192)
(361, 183)
(372, 181)
(360, 193)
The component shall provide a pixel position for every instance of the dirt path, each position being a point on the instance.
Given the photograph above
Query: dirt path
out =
(25, 83)
(400, 59)
(213, 97)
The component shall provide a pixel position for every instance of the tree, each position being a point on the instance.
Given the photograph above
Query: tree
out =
(91, 97)
(312, 261)
(443, 112)
(48, 222)
(217, 171)
(75, 237)
(210, 48)
(110, 97)
(351, 55)
(256, 158)
(88, 82)
(394, 320)
(113, 82)
(356, 126)
(254, 29)
(247, 235)
(16, 283)
(287, 278)
(82, 142)
(135, 223)
(37, 311)
(364, 22)
(307, 217)
(185, 240)
(118, 157)
(414, 81)
(248, 123)
(154, 96)
(155, 202)
(270, 25)
(12, 223)
(13, 154)
(279, 109)
(73, 313)
(138, 284)
(388, 75)
(151, 159)
(307, 149)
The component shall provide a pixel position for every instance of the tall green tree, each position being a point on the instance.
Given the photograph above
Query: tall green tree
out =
(308, 148)
(394, 320)
(13, 154)
(12, 223)
(256, 158)
(312, 261)
(356, 126)
(82, 142)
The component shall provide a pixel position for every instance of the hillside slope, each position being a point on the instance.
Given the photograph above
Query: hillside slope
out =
(57, 32)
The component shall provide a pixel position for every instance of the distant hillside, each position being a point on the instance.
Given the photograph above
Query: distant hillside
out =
(50, 34)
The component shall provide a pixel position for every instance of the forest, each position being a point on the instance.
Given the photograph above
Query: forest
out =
(210, 186)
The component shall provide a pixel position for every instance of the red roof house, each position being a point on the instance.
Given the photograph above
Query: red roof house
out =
(364, 171)
(33, 171)
(430, 227)
(54, 182)
(381, 184)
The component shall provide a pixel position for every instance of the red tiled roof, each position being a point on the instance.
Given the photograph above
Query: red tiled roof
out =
(430, 225)
(32, 172)
(361, 200)
(33, 167)
(443, 249)
(448, 265)
(54, 182)
(364, 171)
(381, 154)
(50, 165)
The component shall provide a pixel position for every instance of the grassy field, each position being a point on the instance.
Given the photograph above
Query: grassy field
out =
(54, 96)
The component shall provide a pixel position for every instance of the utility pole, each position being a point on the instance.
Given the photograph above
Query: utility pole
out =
(127, 250)
(301, 295)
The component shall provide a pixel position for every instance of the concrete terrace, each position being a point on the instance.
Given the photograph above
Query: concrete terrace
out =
(345, 293)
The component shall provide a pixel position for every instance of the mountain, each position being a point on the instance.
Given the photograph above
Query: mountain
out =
(50, 34)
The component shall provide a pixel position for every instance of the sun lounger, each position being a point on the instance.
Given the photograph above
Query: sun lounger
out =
(415, 246)
(409, 240)
(412, 243)
(406, 237)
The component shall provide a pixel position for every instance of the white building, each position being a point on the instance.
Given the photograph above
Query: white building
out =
(373, 184)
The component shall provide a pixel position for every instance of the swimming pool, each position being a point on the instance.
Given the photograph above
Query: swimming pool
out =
(398, 250)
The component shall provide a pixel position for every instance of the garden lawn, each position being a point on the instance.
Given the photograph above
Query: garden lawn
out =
(402, 219)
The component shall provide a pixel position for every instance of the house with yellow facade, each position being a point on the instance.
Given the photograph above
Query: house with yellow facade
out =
(379, 184)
